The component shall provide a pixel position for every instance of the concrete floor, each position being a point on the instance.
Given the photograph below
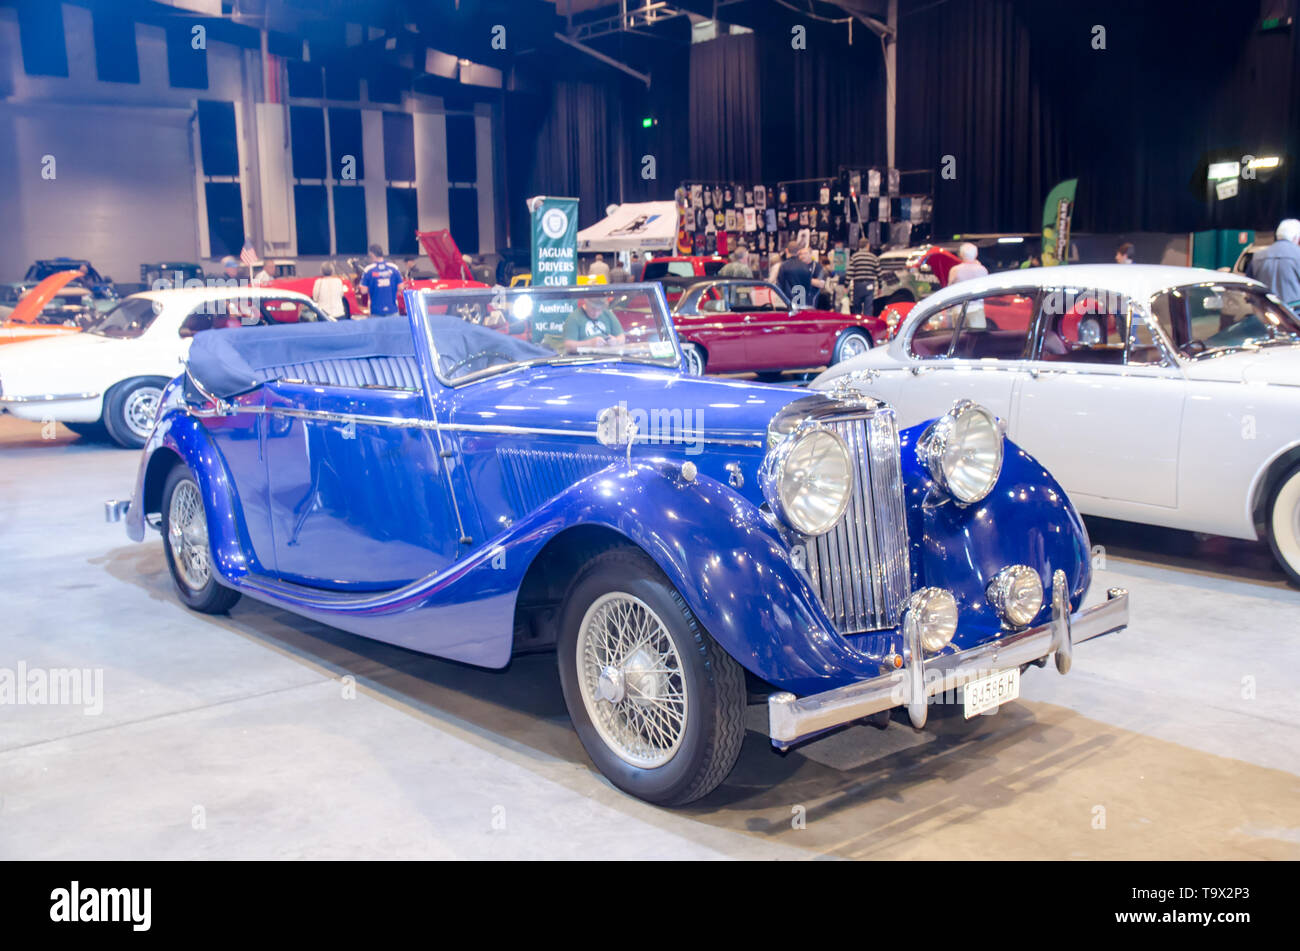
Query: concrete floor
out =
(261, 735)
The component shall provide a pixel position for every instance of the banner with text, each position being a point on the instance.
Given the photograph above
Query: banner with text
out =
(555, 240)
(1057, 212)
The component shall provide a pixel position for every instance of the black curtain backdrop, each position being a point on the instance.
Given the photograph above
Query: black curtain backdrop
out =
(725, 111)
(566, 145)
(823, 106)
(1012, 89)
(1015, 91)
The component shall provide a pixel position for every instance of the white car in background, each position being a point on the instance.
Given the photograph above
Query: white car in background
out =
(112, 374)
(1163, 395)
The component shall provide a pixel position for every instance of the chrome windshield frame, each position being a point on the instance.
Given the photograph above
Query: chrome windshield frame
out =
(420, 326)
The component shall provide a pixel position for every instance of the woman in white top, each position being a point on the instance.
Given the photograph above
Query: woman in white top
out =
(328, 292)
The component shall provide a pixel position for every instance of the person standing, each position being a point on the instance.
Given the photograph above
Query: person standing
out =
(1124, 253)
(797, 278)
(1278, 265)
(381, 280)
(599, 268)
(969, 266)
(863, 273)
(619, 274)
(738, 266)
(840, 260)
(328, 293)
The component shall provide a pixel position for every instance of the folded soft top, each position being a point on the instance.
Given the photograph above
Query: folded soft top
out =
(228, 362)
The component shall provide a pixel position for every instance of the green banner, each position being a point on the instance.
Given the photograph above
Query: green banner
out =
(555, 240)
(1057, 212)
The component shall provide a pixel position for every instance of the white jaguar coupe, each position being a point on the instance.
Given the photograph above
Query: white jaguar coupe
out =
(112, 375)
(1163, 395)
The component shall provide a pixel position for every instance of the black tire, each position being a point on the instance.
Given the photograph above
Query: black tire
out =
(695, 358)
(124, 407)
(712, 684)
(846, 341)
(211, 597)
(90, 431)
(1283, 524)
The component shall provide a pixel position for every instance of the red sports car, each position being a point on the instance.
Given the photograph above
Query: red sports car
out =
(451, 270)
(286, 278)
(678, 272)
(736, 326)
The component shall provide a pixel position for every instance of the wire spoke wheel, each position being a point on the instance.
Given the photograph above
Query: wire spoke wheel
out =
(187, 535)
(631, 678)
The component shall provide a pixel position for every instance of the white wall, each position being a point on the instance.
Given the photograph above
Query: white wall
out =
(122, 191)
(129, 183)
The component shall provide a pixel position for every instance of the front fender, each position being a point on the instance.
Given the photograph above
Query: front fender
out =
(728, 563)
(1027, 520)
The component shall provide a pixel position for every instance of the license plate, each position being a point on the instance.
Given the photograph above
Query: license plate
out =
(989, 693)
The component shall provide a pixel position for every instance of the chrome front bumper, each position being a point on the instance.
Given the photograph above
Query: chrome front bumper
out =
(115, 509)
(791, 718)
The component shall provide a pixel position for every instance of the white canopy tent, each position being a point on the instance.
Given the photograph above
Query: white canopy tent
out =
(634, 226)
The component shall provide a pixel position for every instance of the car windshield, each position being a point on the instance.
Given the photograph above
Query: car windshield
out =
(1205, 319)
(484, 332)
(131, 318)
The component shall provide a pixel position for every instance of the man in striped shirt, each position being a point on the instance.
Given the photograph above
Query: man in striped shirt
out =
(863, 272)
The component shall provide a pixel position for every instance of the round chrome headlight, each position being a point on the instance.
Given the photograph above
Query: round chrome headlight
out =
(1016, 593)
(934, 612)
(963, 451)
(808, 480)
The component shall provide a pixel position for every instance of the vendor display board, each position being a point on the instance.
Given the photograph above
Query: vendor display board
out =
(855, 203)
(716, 216)
(819, 212)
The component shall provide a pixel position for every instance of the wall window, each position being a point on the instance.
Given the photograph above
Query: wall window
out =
(345, 141)
(307, 134)
(116, 59)
(386, 84)
(399, 147)
(187, 68)
(350, 235)
(306, 80)
(312, 215)
(343, 83)
(462, 151)
(218, 144)
(462, 212)
(225, 217)
(403, 219)
(40, 34)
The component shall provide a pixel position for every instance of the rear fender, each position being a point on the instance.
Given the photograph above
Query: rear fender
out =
(182, 436)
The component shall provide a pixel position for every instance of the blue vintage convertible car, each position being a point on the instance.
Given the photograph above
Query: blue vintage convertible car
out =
(500, 471)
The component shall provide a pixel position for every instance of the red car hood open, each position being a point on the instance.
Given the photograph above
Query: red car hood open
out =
(444, 254)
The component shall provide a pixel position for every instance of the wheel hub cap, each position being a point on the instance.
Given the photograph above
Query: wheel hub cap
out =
(610, 687)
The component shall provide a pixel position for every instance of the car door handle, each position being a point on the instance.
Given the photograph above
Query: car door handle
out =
(1034, 372)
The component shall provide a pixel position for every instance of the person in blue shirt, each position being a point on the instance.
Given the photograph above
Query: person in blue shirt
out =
(381, 280)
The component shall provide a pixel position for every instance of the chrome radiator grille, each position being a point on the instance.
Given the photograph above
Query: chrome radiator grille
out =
(860, 568)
